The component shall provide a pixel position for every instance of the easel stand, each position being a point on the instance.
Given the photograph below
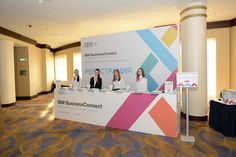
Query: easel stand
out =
(187, 138)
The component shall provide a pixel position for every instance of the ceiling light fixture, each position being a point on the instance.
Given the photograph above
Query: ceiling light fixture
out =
(40, 1)
(48, 15)
(44, 1)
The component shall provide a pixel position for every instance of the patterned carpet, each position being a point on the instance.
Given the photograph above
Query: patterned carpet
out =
(29, 129)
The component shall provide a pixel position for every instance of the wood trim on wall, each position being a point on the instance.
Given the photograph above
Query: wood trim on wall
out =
(233, 22)
(23, 38)
(221, 24)
(68, 46)
(43, 46)
(218, 24)
(4, 31)
(15, 35)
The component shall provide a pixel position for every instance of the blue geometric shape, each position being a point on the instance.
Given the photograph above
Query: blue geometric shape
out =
(159, 49)
(148, 65)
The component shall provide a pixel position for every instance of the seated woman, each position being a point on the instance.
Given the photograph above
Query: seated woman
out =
(76, 76)
(117, 81)
(96, 80)
(76, 80)
(141, 81)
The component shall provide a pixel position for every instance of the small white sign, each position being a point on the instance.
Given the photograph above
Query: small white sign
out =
(58, 84)
(168, 86)
(187, 79)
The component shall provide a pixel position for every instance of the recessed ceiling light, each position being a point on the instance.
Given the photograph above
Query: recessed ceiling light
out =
(48, 15)
(127, 1)
(43, 1)
(40, 1)
(173, 7)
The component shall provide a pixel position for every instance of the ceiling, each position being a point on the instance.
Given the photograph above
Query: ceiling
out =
(61, 22)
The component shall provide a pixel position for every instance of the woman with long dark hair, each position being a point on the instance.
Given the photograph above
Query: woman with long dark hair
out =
(96, 80)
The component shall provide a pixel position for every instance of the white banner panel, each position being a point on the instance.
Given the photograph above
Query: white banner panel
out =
(155, 50)
(143, 112)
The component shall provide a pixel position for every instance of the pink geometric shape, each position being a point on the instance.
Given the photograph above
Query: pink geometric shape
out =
(130, 110)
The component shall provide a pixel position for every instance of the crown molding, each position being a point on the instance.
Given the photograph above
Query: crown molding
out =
(68, 46)
(4, 31)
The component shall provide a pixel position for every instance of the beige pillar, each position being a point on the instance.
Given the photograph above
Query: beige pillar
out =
(7, 73)
(194, 56)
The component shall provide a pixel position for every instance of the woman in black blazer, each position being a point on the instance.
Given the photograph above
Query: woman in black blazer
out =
(96, 81)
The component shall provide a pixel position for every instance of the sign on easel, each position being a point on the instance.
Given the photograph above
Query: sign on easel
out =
(187, 80)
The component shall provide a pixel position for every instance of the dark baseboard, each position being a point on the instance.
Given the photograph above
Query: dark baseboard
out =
(44, 92)
(26, 97)
(8, 105)
(32, 97)
(23, 97)
(195, 118)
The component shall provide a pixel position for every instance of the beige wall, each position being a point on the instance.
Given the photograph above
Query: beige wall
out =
(222, 36)
(36, 70)
(41, 69)
(49, 69)
(233, 58)
(69, 54)
(41, 65)
(22, 82)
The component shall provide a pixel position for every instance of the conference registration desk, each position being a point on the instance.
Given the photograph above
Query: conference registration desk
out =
(154, 113)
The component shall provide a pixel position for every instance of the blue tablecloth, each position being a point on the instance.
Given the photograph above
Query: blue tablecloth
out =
(223, 118)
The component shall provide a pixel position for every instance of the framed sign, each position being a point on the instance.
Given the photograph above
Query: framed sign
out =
(168, 86)
(187, 79)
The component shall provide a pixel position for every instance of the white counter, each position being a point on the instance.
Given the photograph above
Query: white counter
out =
(143, 112)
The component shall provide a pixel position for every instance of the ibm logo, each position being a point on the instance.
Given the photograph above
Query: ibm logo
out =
(61, 102)
(89, 44)
(61, 92)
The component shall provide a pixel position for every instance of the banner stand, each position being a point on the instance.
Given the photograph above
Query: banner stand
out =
(187, 80)
(187, 138)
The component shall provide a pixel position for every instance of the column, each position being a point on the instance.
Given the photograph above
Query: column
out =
(7, 73)
(194, 55)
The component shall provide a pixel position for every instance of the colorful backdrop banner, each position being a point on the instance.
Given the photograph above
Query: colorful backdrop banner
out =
(155, 50)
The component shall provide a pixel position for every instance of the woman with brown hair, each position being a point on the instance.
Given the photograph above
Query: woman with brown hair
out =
(141, 80)
(117, 81)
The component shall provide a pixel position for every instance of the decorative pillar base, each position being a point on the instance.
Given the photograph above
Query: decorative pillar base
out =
(8, 105)
(195, 118)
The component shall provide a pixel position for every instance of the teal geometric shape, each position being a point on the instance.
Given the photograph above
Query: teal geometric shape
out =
(159, 49)
(148, 65)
